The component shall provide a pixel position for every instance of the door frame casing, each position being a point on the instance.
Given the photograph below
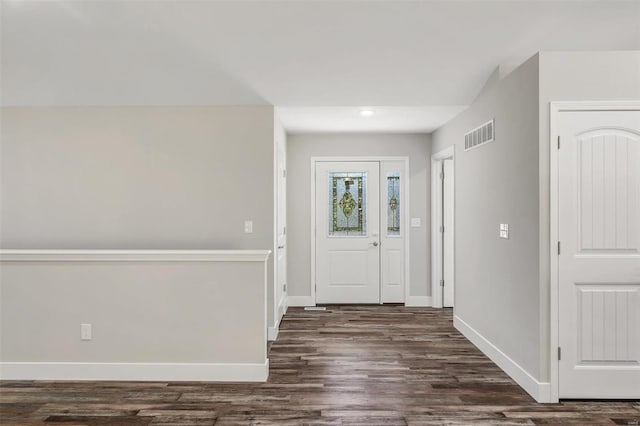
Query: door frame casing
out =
(278, 303)
(406, 204)
(556, 108)
(437, 221)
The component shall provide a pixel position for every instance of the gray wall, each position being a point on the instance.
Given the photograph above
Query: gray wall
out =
(497, 281)
(574, 76)
(137, 177)
(146, 312)
(503, 286)
(300, 149)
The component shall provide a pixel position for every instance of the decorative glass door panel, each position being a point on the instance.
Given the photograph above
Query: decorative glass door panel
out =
(393, 203)
(347, 204)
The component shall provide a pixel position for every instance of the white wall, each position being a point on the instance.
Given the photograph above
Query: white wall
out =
(300, 149)
(497, 280)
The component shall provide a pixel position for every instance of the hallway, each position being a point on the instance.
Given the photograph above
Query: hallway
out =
(366, 365)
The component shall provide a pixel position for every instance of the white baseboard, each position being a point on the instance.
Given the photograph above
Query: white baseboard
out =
(272, 333)
(282, 308)
(540, 391)
(415, 301)
(300, 301)
(418, 301)
(223, 372)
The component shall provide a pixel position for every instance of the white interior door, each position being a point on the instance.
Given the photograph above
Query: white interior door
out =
(281, 225)
(347, 232)
(599, 260)
(447, 234)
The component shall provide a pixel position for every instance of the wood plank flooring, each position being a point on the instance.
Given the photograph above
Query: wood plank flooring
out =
(349, 365)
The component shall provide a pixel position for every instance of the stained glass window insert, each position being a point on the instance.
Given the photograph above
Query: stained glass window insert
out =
(348, 204)
(393, 203)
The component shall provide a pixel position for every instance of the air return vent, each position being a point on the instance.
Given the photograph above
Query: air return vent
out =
(479, 136)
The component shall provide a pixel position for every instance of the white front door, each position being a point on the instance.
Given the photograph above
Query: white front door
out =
(599, 260)
(347, 232)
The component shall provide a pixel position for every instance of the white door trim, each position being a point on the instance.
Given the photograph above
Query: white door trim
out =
(437, 222)
(406, 205)
(555, 108)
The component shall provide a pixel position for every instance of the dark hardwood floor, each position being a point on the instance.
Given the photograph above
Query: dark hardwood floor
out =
(349, 365)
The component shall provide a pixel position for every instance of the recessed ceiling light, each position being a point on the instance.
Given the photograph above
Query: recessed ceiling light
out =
(366, 112)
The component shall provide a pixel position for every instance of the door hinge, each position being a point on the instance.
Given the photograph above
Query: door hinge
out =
(559, 353)
(558, 141)
(284, 230)
(441, 175)
(558, 248)
(442, 228)
(284, 173)
(441, 283)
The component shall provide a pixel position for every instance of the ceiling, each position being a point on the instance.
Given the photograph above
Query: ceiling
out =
(415, 63)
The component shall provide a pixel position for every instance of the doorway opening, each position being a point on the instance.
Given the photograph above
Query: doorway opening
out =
(443, 228)
(359, 235)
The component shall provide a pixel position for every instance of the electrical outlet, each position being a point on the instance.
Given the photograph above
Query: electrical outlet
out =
(85, 332)
(415, 222)
(248, 226)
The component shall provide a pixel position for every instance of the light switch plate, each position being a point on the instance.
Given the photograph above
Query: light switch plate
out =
(504, 231)
(415, 222)
(85, 332)
(248, 226)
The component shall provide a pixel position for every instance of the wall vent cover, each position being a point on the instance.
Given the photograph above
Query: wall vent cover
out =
(479, 136)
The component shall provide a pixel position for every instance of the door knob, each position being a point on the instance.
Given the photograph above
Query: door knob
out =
(375, 244)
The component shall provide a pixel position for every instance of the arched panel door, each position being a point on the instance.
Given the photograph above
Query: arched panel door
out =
(599, 260)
